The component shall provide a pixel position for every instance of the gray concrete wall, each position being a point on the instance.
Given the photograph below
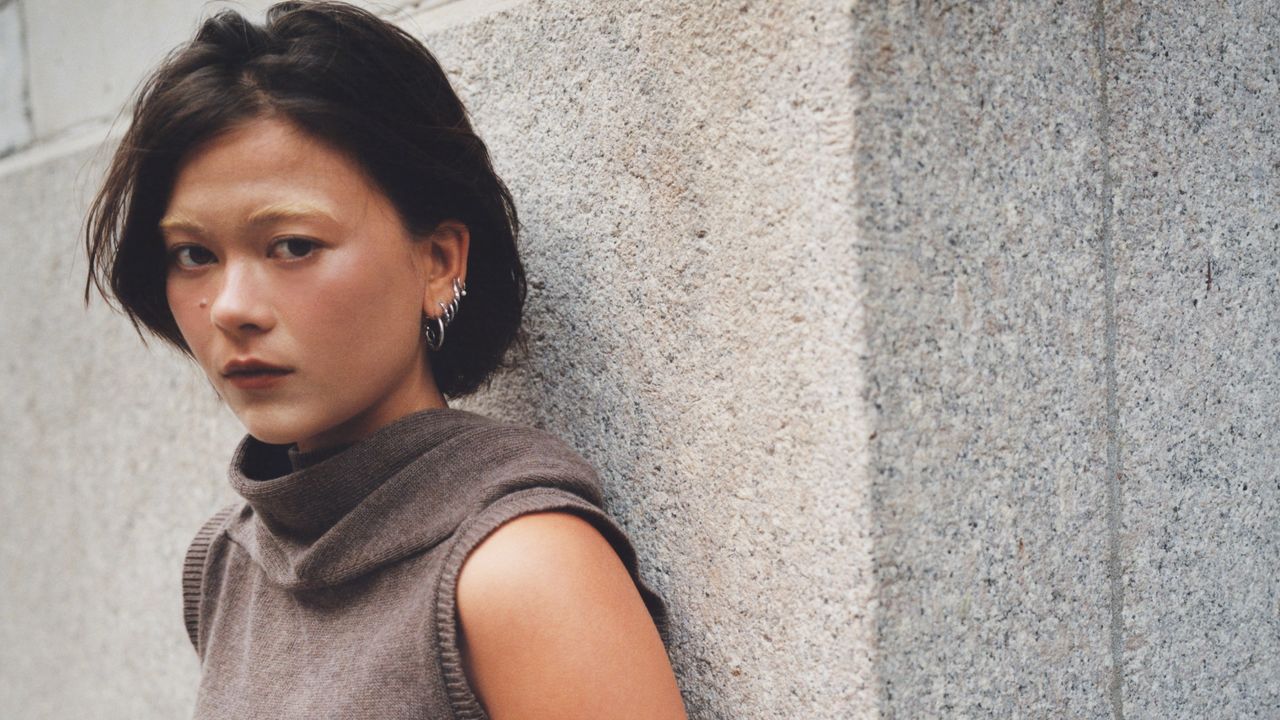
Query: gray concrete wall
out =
(1193, 107)
(1068, 232)
(929, 352)
(980, 197)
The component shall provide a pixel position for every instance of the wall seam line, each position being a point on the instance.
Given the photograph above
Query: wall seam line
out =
(28, 100)
(1115, 578)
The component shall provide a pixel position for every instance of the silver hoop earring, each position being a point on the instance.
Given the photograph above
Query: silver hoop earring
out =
(435, 340)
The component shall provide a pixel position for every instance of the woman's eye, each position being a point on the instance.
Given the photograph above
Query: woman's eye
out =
(297, 247)
(194, 256)
(193, 252)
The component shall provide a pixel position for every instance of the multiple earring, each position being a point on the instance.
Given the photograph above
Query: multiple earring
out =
(435, 340)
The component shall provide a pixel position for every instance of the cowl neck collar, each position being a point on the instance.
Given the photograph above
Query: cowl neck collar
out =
(299, 459)
(306, 501)
(316, 519)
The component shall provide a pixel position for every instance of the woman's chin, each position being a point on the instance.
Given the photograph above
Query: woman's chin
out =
(271, 428)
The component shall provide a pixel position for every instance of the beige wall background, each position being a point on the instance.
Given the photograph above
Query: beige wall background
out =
(929, 352)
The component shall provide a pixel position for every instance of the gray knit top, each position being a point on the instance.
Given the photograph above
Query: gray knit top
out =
(327, 590)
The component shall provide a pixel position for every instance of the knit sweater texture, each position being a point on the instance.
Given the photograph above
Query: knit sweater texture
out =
(327, 591)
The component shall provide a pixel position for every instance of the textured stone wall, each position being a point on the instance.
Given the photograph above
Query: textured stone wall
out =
(928, 351)
(980, 203)
(1068, 231)
(685, 179)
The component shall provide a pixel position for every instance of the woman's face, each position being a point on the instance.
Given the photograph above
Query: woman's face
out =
(280, 249)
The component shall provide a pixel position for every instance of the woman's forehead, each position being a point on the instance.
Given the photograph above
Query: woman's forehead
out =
(267, 145)
(271, 171)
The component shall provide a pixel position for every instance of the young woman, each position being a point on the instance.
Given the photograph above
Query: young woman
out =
(304, 210)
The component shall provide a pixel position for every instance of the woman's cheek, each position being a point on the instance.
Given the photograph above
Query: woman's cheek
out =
(186, 312)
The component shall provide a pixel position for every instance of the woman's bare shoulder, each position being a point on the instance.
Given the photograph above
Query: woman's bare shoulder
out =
(554, 627)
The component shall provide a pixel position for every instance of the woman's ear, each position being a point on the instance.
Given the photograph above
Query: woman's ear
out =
(445, 259)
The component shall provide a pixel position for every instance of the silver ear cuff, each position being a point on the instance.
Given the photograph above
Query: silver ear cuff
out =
(433, 327)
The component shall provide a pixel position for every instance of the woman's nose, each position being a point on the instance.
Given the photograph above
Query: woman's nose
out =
(241, 303)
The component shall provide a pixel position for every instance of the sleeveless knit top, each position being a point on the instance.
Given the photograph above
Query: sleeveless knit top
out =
(328, 590)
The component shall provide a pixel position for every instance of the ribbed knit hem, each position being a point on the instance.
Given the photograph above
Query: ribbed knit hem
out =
(462, 698)
(193, 567)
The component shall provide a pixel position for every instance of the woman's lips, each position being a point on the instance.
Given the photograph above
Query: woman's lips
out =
(257, 379)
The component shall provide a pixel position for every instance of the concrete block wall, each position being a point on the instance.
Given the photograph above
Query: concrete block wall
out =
(928, 351)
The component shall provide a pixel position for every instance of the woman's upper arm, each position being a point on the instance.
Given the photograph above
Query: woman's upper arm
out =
(552, 626)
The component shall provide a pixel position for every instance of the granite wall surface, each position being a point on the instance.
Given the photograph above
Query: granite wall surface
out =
(1068, 231)
(928, 351)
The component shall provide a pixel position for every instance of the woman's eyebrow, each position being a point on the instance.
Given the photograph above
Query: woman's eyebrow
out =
(289, 211)
(262, 216)
(179, 222)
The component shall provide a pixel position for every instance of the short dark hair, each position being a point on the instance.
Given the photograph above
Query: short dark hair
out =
(355, 81)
